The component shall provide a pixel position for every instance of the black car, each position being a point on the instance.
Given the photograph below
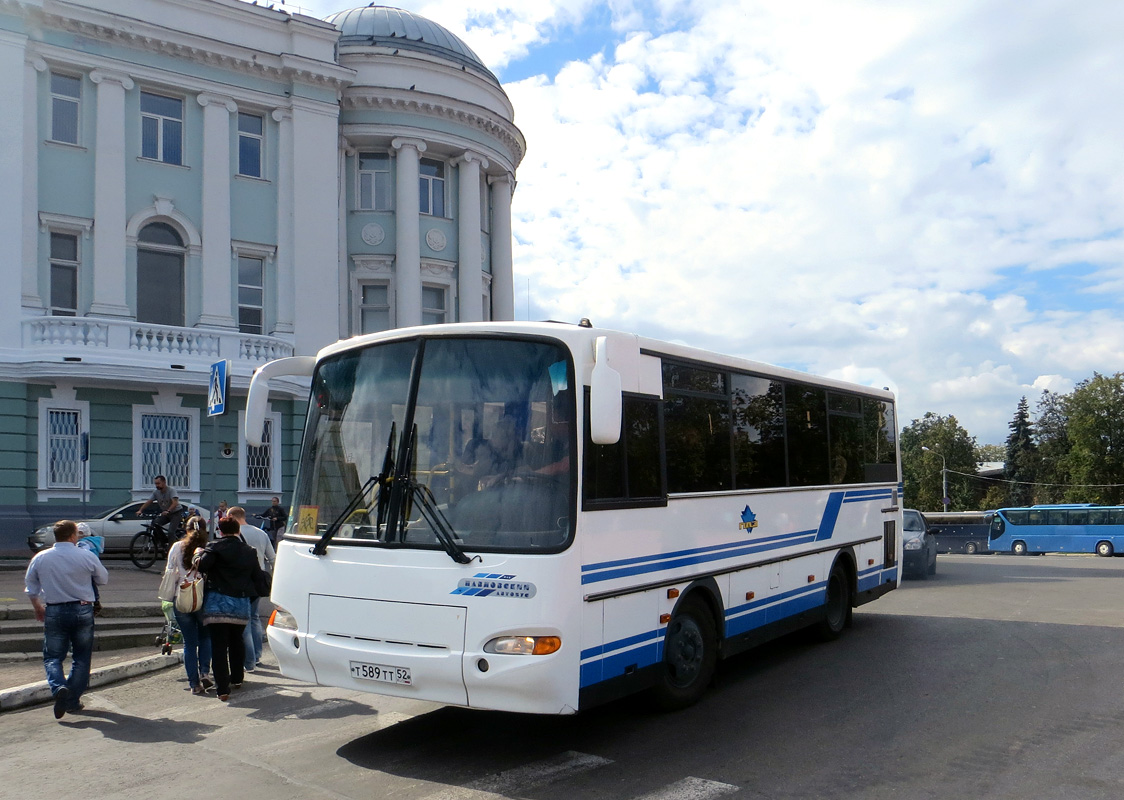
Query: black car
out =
(919, 546)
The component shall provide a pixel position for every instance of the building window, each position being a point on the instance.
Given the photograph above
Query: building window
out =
(251, 133)
(432, 187)
(259, 461)
(259, 468)
(160, 273)
(434, 305)
(374, 307)
(374, 182)
(165, 449)
(161, 128)
(64, 449)
(251, 293)
(66, 95)
(64, 274)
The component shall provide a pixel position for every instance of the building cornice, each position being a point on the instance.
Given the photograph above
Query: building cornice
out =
(195, 49)
(430, 105)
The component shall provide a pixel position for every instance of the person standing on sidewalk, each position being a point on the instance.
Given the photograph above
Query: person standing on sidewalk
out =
(60, 584)
(229, 565)
(253, 636)
(196, 636)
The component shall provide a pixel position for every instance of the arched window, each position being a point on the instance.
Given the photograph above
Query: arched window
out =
(160, 272)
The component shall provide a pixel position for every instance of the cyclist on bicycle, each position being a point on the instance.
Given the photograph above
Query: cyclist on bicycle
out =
(171, 512)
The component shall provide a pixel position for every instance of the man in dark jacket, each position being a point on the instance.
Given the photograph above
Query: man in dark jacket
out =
(229, 565)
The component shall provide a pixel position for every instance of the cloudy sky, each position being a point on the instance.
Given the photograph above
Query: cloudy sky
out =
(925, 196)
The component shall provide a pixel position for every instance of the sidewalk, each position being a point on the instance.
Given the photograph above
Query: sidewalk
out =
(22, 680)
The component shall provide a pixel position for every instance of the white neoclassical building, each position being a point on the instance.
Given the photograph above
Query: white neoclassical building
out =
(200, 180)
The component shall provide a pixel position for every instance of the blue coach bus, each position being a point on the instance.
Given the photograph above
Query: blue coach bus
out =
(1058, 529)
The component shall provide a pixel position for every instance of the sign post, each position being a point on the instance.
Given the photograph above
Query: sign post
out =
(218, 388)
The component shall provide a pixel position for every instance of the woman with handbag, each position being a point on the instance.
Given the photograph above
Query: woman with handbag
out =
(196, 636)
(230, 565)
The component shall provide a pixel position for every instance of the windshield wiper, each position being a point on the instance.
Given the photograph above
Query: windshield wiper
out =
(427, 503)
(382, 480)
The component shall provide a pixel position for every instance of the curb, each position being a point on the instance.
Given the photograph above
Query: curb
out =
(33, 693)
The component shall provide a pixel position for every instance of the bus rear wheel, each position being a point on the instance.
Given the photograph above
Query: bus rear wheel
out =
(1019, 548)
(1104, 549)
(971, 548)
(690, 654)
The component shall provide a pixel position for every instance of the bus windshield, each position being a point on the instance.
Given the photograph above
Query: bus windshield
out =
(461, 443)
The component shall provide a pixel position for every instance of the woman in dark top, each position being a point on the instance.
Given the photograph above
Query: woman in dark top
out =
(229, 565)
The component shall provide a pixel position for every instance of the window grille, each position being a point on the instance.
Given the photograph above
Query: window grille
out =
(64, 463)
(259, 461)
(166, 449)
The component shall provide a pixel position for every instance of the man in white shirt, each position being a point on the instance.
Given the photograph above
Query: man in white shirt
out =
(253, 637)
(60, 584)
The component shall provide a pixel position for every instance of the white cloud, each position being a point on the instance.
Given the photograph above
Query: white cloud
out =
(876, 190)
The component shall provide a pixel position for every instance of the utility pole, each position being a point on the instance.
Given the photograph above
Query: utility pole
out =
(944, 477)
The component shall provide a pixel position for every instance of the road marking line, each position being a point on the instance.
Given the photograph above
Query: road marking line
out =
(539, 773)
(691, 789)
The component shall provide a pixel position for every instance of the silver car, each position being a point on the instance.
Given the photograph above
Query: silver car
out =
(117, 526)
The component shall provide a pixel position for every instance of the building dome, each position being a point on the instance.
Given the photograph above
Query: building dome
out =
(382, 26)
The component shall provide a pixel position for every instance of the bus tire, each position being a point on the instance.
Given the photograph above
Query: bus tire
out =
(690, 653)
(1019, 548)
(971, 548)
(836, 604)
(1104, 549)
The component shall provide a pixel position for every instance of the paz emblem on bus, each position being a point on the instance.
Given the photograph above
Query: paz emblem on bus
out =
(749, 520)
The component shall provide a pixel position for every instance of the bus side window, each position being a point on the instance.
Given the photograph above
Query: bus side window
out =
(628, 473)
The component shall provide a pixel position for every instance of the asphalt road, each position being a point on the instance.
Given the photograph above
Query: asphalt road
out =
(998, 678)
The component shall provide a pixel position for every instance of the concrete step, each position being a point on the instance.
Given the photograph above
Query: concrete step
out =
(116, 610)
(31, 626)
(119, 639)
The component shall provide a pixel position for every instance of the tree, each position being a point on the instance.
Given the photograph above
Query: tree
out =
(1020, 466)
(921, 469)
(1052, 440)
(990, 452)
(1095, 411)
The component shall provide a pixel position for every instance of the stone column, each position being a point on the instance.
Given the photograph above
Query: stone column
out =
(286, 280)
(109, 195)
(216, 305)
(348, 325)
(503, 280)
(13, 130)
(30, 255)
(407, 226)
(470, 285)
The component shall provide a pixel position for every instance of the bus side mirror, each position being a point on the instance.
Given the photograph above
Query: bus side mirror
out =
(258, 399)
(604, 397)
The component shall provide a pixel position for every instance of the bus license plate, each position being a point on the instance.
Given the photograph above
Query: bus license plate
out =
(380, 672)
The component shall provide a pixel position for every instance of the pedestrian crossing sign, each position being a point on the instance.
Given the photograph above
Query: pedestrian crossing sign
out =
(217, 388)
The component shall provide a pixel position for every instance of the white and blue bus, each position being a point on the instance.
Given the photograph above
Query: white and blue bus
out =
(1058, 529)
(540, 517)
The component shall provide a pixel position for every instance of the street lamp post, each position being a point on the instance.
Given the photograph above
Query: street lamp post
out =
(944, 477)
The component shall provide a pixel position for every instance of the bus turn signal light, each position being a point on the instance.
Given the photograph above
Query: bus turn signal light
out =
(280, 618)
(524, 645)
(672, 594)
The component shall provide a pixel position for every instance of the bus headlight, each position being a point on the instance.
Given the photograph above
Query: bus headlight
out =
(524, 645)
(280, 618)
(913, 544)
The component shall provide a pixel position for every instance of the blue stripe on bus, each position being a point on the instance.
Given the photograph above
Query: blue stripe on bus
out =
(854, 495)
(608, 570)
(805, 537)
(754, 615)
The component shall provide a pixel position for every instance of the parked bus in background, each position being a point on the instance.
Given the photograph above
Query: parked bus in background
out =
(1058, 529)
(540, 517)
(960, 531)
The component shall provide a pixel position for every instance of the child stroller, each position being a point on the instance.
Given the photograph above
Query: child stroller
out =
(170, 634)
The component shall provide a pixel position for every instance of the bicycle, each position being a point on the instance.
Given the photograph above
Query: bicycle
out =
(150, 544)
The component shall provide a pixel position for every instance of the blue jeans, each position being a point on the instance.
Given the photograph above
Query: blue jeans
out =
(196, 645)
(252, 636)
(67, 628)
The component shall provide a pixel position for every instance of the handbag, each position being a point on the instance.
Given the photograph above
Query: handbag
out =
(263, 582)
(189, 595)
(167, 590)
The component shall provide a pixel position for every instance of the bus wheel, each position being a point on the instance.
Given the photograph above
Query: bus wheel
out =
(690, 653)
(971, 548)
(1104, 549)
(836, 605)
(1019, 548)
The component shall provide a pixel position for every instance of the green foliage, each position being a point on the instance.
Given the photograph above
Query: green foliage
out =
(921, 468)
(1095, 414)
(1021, 460)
